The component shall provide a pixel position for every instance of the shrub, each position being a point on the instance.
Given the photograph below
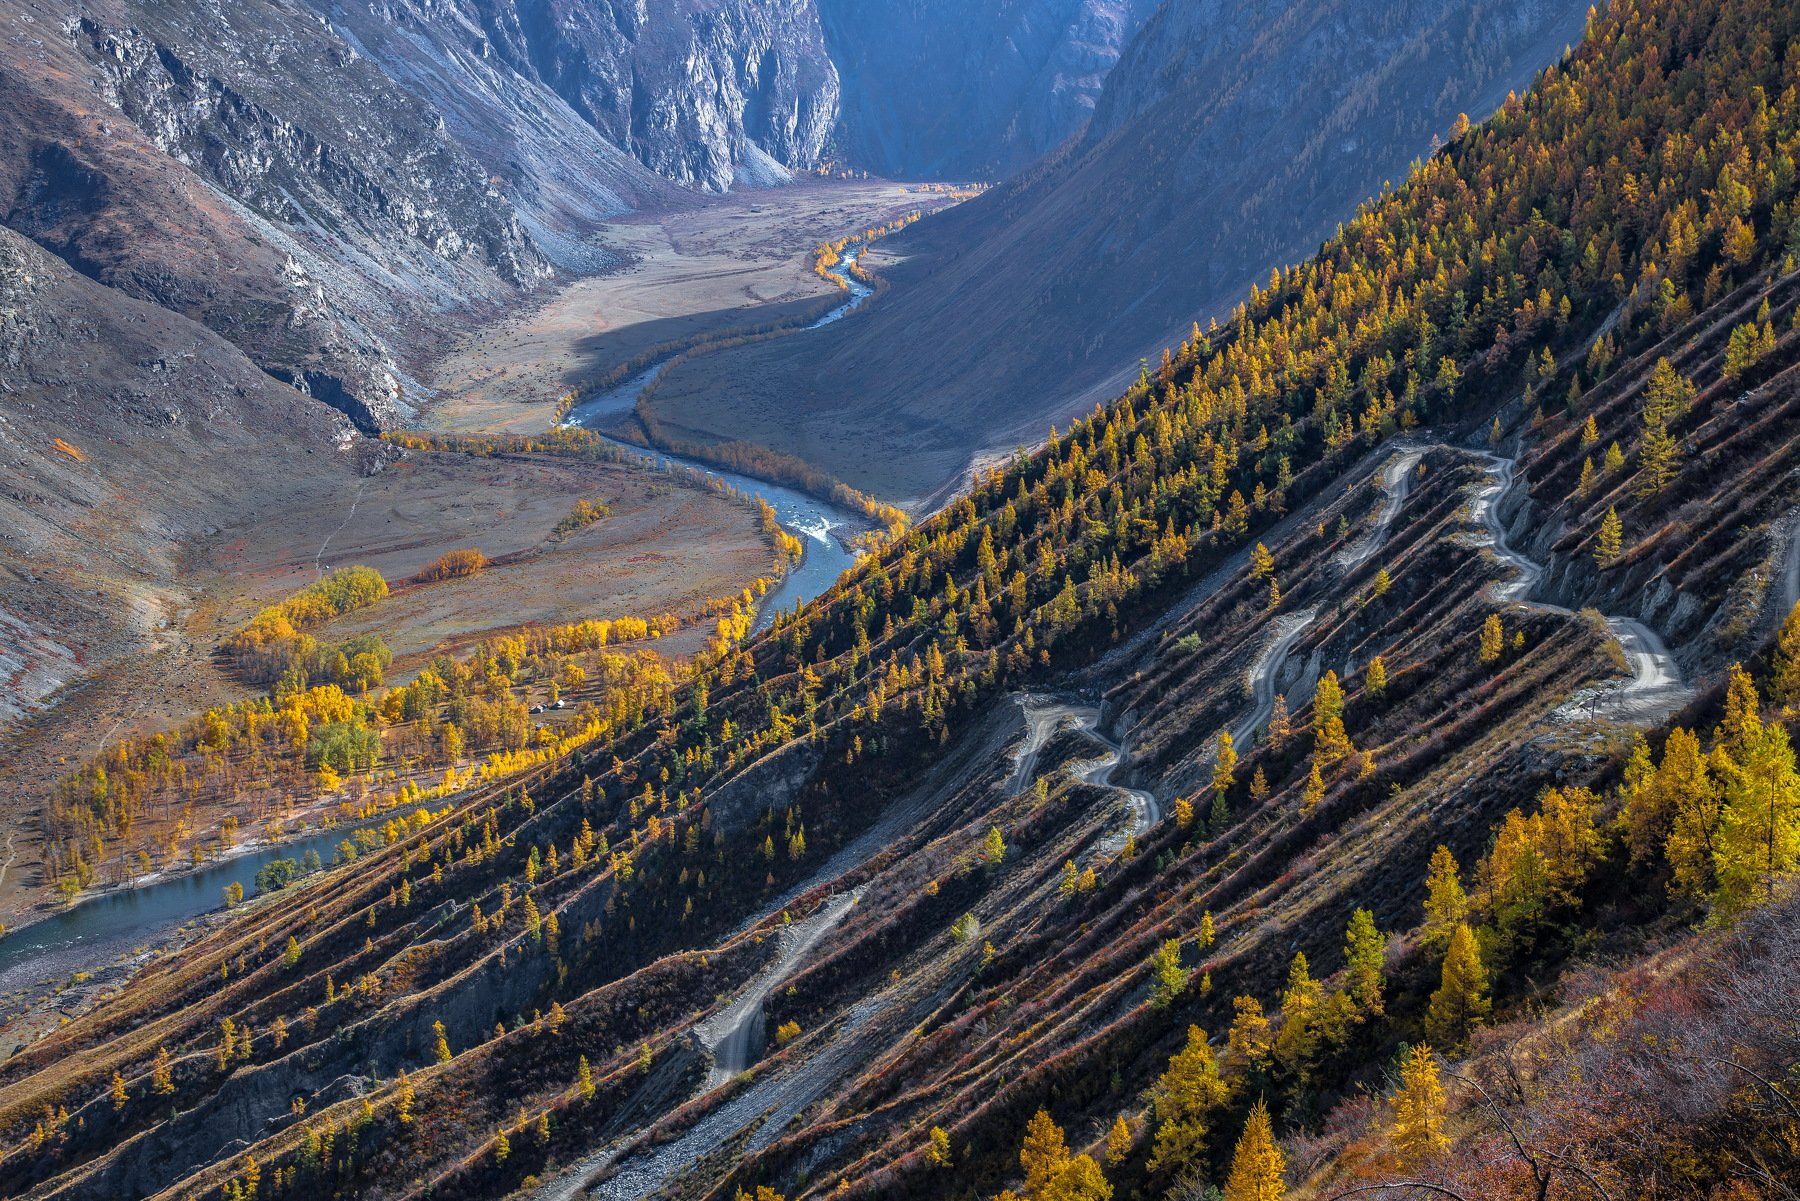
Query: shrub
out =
(451, 564)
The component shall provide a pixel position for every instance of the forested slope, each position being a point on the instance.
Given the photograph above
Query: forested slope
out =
(1355, 529)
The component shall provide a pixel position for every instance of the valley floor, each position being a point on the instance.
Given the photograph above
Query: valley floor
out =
(742, 260)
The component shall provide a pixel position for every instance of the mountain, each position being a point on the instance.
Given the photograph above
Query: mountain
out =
(129, 433)
(336, 182)
(1230, 138)
(1303, 719)
(243, 167)
(706, 93)
(935, 90)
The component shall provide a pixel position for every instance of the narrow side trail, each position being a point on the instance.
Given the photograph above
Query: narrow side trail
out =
(1395, 481)
(1394, 478)
(1042, 719)
(734, 1036)
(1655, 688)
(1267, 669)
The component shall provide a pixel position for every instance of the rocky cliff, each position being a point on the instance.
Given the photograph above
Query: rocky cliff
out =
(241, 165)
(327, 184)
(708, 94)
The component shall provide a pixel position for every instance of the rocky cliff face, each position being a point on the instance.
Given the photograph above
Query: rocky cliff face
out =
(708, 93)
(935, 90)
(327, 183)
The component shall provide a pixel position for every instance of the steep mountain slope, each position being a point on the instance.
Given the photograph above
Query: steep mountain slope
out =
(243, 167)
(128, 431)
(871, 841)
(706, 93)
(936, 91)
(1227, 141)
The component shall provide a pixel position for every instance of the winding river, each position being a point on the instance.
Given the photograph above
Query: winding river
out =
(97, 931)
(813, 521)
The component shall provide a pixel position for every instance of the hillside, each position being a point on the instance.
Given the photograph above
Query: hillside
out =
(1113, 791)
(1223, 145)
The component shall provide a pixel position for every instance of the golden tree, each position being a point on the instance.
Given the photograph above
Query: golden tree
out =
(1184, 1099)
(1446, 904)
(1418, 1127)
(1493, 640)
(1257, 1166)
(1610, 540)
(1461, 999)
(1365, 956)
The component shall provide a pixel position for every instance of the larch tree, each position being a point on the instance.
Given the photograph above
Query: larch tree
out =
(1280, 724)
(1659, 460)
(1419, 1107)
(1118, 1141)
(1043, 1153)
(1759, 829)
(1446, 902)
(1742, 722)
(1258, 1168)
(1168, 977)
(1330, 740)
(1493, 641)
(1248, 1043)
(1080, 1180)
(1461, 1000)
(162, 1079)
(1313, 791)
(1609, 542)
(1365, 962)
(1302, 1005)
(1784, 664)
(1051, 1173)
(1375, 679)
(1225, 761)
(1262, 563)
(1184, 1101)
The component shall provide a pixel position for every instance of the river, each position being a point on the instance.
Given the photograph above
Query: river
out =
(102, 928)
(815, 522)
